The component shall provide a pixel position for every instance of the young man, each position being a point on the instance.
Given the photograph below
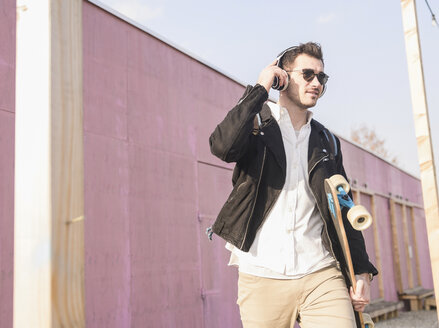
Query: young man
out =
(276, 220)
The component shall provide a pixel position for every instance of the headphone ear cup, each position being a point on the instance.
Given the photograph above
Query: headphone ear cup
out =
(276, 81)
(276, 84)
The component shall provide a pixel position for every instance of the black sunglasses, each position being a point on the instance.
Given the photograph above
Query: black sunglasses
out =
(309, 74)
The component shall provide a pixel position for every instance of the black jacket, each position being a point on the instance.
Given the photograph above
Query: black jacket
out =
(260, 171)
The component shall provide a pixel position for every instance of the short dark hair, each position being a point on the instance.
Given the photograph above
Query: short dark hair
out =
(312, 49)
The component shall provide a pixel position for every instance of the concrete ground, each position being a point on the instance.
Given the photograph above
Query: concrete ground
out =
(413, 319)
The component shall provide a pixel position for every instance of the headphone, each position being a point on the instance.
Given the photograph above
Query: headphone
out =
(279, 58)
(276, 81)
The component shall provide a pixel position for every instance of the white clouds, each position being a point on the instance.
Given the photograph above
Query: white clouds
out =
(137, 10)
(326, 18)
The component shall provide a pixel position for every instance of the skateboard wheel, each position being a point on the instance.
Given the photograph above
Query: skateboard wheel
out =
(359, 217)
(338, 180)
(368, 323)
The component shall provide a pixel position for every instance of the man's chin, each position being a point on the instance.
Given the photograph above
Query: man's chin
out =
(310, 104)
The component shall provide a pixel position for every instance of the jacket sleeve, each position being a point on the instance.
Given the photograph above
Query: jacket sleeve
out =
(231, 137)
(357, 246)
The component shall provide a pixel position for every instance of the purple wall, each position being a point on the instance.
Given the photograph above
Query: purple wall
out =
(152, 186)
(7, 136)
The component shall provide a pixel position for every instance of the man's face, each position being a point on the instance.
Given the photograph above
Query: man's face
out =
(302, 93)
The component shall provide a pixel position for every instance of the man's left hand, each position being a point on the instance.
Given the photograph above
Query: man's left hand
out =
(361, 297)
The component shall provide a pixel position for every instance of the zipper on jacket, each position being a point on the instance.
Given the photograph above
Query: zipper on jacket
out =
(321, 213)
(256, 197)
(316, 163)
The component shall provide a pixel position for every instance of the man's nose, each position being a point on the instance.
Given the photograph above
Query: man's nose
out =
(315, 81)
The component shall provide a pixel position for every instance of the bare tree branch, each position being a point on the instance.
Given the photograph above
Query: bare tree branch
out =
(368, 138)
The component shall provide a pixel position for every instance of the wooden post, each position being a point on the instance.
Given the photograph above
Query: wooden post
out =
(376, 240)
(422, 129)
(396, 258)
(357, 200)
(415, 246)
(49, 177)
(407, 246)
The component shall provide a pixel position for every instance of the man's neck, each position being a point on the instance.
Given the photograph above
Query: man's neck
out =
(298, 115)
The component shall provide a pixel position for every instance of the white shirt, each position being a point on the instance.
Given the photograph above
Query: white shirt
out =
(288, 245)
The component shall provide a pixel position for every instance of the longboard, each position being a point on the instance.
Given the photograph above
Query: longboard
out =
(336, 189)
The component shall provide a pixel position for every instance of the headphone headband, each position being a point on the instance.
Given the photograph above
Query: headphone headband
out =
(280, 56)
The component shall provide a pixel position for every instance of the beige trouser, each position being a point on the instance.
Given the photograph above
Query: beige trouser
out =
(317, 300)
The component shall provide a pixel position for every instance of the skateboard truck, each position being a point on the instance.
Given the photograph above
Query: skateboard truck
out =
(358, 215)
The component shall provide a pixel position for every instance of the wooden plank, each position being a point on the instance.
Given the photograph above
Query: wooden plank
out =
(377, 247)
(49, 178)
(32, 284)
(429, 303)
(68, 289)
(388, 196)
(407, 203)
(423, 135)
(357, 196)
(357, 200)
(415, 246)
(407, 246)
(363, 191)
(383, 308)
(416, 296)
(396, 261)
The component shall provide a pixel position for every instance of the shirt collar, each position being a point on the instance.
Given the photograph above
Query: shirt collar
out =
(280, 113)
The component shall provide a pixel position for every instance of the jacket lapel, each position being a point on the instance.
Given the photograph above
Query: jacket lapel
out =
(272, 137)
(315, 148)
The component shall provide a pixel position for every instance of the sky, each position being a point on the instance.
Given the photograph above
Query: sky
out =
(363, 46)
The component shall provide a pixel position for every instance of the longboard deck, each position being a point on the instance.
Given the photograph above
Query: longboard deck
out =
(337, 218)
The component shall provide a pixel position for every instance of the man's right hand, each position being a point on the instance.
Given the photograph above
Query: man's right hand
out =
(266, 77)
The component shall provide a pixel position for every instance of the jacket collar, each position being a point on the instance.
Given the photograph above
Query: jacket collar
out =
(317, 126)
(266, 112)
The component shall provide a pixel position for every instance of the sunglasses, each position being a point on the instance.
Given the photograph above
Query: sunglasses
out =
(309, 74)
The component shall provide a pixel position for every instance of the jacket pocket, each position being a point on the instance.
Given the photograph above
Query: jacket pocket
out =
(236, 210)
(239, 189)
